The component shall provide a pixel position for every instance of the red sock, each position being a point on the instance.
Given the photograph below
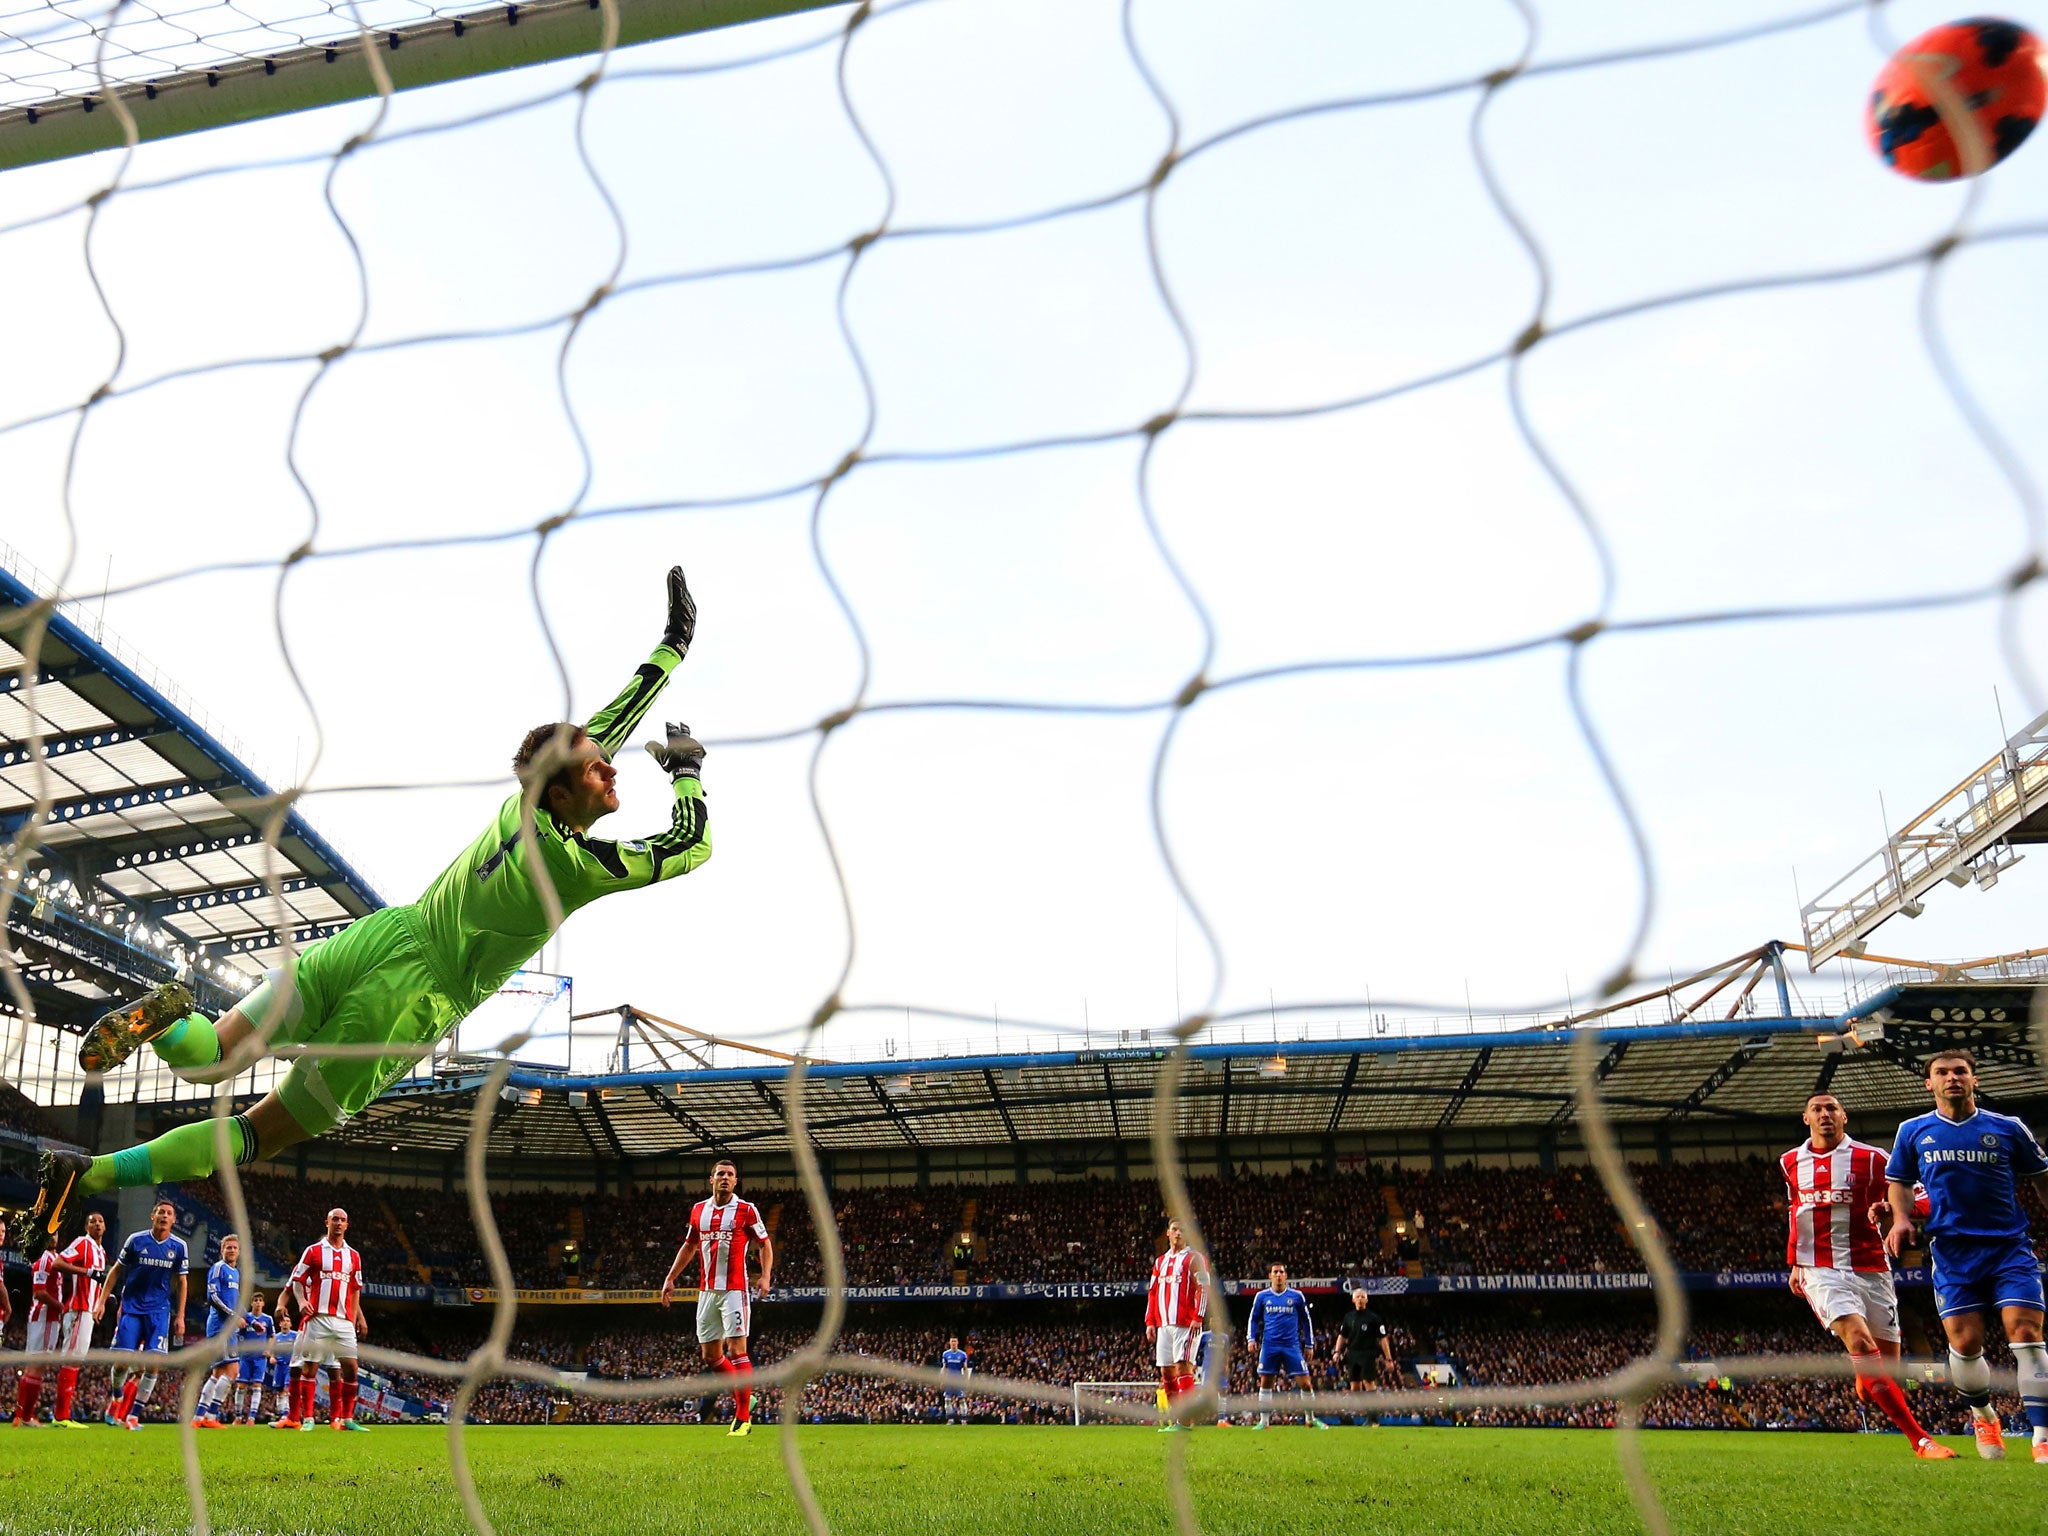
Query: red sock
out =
(28, 1391)
(1886, 1395)
(126, 1405)
(67, 1386)
(348, 1399)
(303, 1406)
(1185, 1382)
(742, 1397)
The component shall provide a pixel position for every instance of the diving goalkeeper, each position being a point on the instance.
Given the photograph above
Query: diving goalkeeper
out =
(404, 976)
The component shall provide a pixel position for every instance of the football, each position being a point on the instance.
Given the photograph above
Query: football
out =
(1957, 99)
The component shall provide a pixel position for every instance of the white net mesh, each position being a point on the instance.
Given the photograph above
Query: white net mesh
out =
(1160, 452)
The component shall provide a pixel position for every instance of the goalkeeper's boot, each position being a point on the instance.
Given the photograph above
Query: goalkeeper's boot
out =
(1927, 1448)
(741, 1427)
(119, 1034)
(57, 1176)
(1990, 1438)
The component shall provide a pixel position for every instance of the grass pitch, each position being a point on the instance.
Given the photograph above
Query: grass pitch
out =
(1032, 1482)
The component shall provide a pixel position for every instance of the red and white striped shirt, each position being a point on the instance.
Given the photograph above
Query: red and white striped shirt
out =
(1829, 1195)
(45, 1294)
(1175, 1296)
(721, 1233)
(82, 1292)
(330, 1279)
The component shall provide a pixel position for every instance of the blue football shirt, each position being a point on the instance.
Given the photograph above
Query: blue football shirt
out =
(255, 1330)
(223, 1290)
(147, 1269)
(1972, 1169)
(1280, 1321)
(953, 1361)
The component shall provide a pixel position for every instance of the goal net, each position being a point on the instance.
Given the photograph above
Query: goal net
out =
(1333, 501)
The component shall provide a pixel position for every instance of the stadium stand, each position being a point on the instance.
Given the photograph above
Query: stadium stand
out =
(1461, 1221)
(1494, 1343)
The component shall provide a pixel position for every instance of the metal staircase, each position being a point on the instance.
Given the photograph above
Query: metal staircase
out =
(1966, 835)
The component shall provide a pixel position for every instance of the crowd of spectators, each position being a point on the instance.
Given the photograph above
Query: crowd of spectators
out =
(20, 1113)
(286, 1214)
(1495, 1342)
(1484, 1343)
(1373, 1222)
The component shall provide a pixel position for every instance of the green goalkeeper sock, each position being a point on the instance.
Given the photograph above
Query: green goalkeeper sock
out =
(191, 1042)
(185, 1152)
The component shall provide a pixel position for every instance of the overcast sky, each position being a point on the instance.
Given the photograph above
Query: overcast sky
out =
(1403, 834)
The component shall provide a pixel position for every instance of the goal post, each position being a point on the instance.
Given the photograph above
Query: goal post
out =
(239, 87)
(1087, 1394)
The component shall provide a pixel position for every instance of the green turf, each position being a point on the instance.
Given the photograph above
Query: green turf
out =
(964, 1482)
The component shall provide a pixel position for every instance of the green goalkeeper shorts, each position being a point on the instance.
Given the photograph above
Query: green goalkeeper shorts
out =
(368, 985)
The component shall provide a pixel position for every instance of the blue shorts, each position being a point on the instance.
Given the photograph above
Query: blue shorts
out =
(143, 1331)
(1982, 1274)
(280, 1373)
(1282, 1362)
(253, 1369)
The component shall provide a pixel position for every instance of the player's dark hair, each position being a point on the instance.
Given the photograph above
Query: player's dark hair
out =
(1953, 1053)
(726, 1162)
(1822, 1093)
(535, 740)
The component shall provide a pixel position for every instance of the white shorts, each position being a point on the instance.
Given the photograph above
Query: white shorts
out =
(68, 1334)
(1838, 1293)
(721, 1315)
(1173, 1345)
(324, 1340)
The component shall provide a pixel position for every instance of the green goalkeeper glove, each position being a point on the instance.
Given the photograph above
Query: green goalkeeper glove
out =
(682, 613)
(681, 756)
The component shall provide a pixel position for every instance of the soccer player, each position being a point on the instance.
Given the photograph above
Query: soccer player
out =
(1364, 1347)
(1174, 1298)
(223, 1295)
(1283, 1336)
(954, 1362)
(252, 1334)
(1838, 1261)
(279, 1376)
(1971, 1161)
(150, 1277)
(403, 976)
(328, 1286)
(45, 1310)
(80, 1269)
(717, 1245)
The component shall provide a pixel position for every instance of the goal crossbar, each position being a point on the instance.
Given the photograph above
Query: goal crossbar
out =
(240, 89)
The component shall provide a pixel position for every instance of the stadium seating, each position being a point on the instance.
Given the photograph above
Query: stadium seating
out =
(1462, 1221)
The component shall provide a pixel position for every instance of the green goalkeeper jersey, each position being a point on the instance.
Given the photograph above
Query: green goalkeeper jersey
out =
(484, 916)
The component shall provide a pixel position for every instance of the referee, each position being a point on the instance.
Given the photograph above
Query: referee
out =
(1363, 1348)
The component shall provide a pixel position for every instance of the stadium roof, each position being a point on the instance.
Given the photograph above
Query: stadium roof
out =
(150, 861)
(1743, 1070)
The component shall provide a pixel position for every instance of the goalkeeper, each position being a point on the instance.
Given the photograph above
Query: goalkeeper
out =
(404, 976)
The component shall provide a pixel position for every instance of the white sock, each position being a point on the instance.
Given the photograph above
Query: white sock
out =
(1265, 1403)
(142, 1392)
(1971, 1377)
(2032, 1360)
